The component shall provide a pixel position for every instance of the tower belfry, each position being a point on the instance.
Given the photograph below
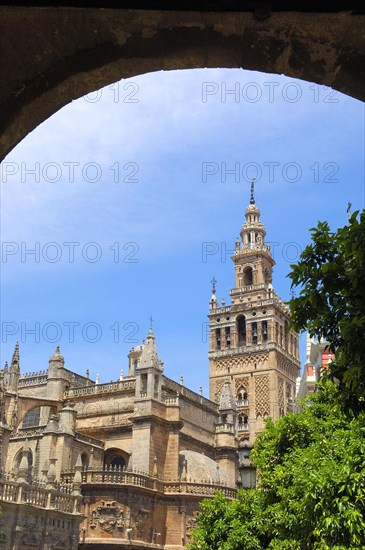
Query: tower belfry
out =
(249, 340)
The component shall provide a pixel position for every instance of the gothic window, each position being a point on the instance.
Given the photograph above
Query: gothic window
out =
(32, 418)
(248, 276)
(241, 330)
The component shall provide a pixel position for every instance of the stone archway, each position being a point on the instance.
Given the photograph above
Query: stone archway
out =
(54, 55)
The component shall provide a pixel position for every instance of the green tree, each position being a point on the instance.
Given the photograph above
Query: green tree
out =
(230, 525)
(311, 493)
(331, 303)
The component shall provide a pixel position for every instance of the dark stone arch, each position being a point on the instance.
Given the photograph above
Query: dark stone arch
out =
(63, 53)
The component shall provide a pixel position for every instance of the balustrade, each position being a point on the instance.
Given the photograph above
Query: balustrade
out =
(39, 495)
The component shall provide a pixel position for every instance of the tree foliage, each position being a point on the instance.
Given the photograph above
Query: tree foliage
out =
(311, 493)
(331, 303)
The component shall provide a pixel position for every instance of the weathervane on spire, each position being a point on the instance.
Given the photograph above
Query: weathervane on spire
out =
(213, 281)
(252, 199)
(151, 322)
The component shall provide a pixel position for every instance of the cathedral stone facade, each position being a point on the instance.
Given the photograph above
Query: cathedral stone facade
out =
(125, 464)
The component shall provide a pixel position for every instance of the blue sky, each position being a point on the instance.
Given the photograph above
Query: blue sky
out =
(133, 196)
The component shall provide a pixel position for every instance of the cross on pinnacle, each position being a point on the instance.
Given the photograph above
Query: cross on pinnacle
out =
(151, 322)
(252, 199)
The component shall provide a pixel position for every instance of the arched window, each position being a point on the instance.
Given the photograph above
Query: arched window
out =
(254, 332)
(228, 336)
(32, 418)
(248, 276)
(242, 398)
(286, 336)
(242, 422)
(17, 461)
(218, 338)
(85, 461)
(116, 459)
(264, 331)
(241, 330)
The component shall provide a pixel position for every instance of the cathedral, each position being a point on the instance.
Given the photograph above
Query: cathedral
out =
(126, 463)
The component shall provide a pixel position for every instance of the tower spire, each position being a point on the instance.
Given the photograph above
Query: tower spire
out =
(213, 301)
(252, 199)
(213, 281)
(15, 359)
(14, 372)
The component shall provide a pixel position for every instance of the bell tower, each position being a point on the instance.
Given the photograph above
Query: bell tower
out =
(250, 344)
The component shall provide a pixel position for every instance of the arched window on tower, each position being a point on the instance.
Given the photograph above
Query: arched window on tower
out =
(254, 333)
(228, 336)
(264, 331)
(247, 277)
(242, 422)
(286, 336)
(242, 398)
(218, 338)
(241, 330)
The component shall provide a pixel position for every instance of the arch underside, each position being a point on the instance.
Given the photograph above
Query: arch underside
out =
(54, 55)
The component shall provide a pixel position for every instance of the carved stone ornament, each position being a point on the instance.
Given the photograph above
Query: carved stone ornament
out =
(108, 516)
(191, 523)
(142, 523)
